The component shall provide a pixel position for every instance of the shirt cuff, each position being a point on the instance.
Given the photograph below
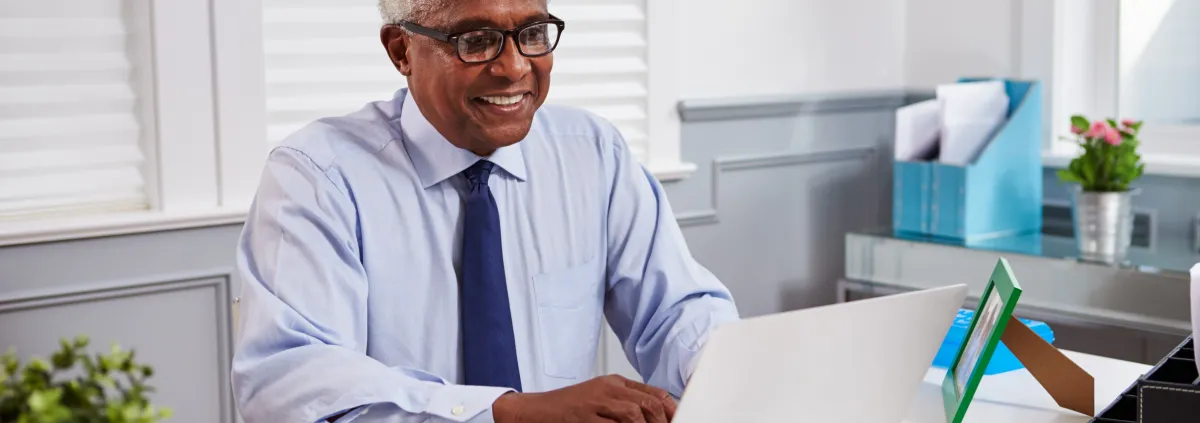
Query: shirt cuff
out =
(451, 403)
(464, 403)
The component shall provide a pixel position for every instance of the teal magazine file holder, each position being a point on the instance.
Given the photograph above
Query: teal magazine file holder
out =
(998, 194)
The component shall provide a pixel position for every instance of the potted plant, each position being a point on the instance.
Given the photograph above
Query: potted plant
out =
(1101, 200)
(76, 387)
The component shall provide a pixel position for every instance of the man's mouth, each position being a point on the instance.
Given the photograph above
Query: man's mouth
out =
(503, 100)
(504, 105)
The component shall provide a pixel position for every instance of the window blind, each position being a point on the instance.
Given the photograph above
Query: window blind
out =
(323, 58)
(70, 132)
(600, 63)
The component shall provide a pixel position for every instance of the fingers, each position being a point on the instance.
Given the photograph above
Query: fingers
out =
(633, 402)
(623, 411)
(651, 408)
(668, 403)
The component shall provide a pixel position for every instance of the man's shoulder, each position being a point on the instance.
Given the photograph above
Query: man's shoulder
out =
(363, 132)
(563, 120)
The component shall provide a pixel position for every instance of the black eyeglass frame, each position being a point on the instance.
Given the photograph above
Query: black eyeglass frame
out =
(452, 38)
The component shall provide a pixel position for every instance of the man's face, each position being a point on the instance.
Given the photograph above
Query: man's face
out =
(468, 102)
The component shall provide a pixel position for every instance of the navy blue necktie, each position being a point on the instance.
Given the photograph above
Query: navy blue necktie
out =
(489, 350)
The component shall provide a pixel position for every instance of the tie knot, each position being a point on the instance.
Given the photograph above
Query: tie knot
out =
(478, 173)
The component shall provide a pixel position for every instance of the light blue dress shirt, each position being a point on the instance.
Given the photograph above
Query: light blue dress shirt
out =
(350, 256)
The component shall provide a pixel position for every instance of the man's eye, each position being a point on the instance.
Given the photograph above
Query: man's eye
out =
(476, 42)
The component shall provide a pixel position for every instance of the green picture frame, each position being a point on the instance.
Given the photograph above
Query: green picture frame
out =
(996, 306)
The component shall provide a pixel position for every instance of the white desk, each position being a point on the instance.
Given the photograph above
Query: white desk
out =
(1017, 397)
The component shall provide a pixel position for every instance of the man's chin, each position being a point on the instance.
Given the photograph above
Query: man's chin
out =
(498, 137)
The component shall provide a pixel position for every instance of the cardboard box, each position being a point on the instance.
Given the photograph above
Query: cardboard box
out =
(998, 194)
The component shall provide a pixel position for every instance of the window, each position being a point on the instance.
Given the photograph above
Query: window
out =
(70, 122)
(1131, 59)
(178, 102)
(600, 64)
(1159, 71)
(107, 120)
(323, 58)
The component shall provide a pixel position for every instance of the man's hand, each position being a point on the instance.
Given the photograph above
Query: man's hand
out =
(604, 399)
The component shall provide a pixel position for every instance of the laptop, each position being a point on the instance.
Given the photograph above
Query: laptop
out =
(861, 361)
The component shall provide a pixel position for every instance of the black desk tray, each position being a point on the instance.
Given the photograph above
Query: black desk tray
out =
(1168, 393)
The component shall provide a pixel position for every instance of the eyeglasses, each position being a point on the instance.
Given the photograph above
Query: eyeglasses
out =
(481, 45)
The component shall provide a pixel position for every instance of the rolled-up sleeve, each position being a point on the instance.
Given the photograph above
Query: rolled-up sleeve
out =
(301, 350)
(662, 304)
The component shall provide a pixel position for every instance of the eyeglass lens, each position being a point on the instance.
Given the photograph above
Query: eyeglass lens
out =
(484, 45)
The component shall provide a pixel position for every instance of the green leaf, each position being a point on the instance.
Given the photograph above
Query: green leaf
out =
(43, 400)
(1112, 123)
(1066, 175)
(1080, 123)
(106, 381)
(39, 365)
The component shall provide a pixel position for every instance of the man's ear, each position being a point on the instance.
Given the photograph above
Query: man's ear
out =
(396, 41)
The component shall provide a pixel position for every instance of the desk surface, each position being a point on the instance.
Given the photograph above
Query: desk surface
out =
(1017, 397)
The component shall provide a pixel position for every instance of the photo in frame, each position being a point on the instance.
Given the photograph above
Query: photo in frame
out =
(992, 317)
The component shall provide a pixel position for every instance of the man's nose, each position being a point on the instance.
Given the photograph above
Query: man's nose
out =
(510, 64)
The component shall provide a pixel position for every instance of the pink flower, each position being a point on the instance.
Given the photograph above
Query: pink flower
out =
(1128, 123)
(1077, 130)
(1111, 136)
(1098, 129)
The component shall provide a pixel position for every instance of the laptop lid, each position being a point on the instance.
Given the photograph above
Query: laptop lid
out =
(860, 361)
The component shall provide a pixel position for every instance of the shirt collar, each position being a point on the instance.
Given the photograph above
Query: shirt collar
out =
(436, 159)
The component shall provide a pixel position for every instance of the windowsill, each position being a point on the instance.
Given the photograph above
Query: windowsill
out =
(672, 171)
(65, 228)
(21, 232)
(1156, 164)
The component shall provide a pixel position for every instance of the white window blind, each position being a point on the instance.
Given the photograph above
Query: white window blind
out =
(600, 63)
(323, 58)
(70, 132)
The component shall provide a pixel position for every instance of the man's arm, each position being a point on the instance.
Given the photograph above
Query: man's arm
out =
(301, 354)
(661, 303)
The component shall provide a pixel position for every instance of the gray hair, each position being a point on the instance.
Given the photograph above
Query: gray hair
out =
(393, 11)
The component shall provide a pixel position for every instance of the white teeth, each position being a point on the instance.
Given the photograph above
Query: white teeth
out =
(502, 101)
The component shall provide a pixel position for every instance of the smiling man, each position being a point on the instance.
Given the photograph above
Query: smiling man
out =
(449, 254)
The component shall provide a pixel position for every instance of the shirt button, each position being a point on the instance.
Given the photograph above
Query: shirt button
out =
(457, 410)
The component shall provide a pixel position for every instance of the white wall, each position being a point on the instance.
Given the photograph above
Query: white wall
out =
(779, 47)
(823, 46)
(948, 39)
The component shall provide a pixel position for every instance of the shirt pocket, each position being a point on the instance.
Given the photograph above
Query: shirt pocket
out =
(569, 310)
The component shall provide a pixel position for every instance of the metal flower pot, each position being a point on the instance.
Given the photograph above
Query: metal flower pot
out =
(1103, 224)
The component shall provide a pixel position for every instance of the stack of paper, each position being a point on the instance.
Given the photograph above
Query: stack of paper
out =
(954, 128)
(917, 129)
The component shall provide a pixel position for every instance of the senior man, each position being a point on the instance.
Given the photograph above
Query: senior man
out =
(448, 255)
